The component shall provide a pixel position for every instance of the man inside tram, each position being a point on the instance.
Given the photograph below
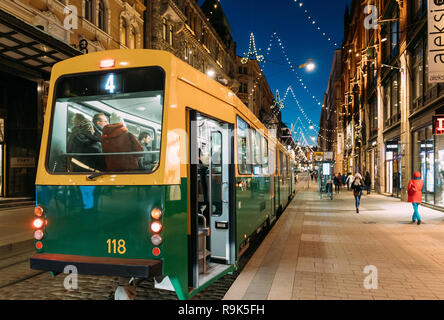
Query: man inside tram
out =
(146, 161)
(99, 121)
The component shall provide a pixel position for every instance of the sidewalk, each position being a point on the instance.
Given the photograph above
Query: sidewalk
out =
(319, 249)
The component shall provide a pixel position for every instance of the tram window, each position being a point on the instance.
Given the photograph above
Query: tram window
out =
(134, 106)
(264, 156)
(243, 147)
(256, 144)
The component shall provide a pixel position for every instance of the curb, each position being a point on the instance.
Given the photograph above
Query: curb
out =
(17, 247)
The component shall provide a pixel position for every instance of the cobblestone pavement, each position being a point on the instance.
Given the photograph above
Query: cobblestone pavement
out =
(19, 282)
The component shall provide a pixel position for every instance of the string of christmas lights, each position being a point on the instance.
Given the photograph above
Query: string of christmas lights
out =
(252, 52)
(313, 22)
(310, 122)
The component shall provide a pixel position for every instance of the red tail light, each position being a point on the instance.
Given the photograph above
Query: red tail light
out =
(39, 245)
(38, 223)
(156, 251)
(156, 227)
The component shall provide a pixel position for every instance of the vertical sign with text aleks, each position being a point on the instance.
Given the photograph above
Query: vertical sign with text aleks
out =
(436, 40)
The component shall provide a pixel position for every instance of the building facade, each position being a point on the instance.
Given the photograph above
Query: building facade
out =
(330, 136)
(199, 35)
(33, 36)
(389, 103)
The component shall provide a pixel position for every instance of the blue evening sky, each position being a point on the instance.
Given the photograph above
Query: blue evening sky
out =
(301, 40)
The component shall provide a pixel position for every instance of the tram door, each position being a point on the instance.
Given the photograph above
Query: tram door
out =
(212, 235)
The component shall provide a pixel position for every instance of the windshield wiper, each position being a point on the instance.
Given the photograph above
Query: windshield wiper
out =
(95, 175)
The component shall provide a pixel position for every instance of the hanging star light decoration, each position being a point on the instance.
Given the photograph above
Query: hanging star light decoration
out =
(252, 52)
(278, 102)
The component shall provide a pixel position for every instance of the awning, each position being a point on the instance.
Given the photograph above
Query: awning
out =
(28, 49)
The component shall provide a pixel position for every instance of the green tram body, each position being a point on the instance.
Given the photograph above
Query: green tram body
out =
(122, 212)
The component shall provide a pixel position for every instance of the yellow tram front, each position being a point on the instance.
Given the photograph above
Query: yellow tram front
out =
(111, 199)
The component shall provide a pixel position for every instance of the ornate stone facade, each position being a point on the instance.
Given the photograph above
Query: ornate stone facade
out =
(183, 28)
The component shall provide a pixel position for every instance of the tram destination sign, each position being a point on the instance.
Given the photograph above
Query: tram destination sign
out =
(436, 40)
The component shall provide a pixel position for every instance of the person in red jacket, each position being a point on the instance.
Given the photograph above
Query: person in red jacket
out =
(117, 138)
(414, 191)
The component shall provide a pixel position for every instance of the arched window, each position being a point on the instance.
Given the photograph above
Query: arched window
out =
(164, 29)
(170, 37)
(89, 10)
(124, 33)
(101, 15)
(132, 38)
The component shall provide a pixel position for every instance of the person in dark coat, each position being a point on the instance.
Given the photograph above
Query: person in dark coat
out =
(117, 138)
(357, 187)
(336, 182)
(368, 182)
(82, 140)
(414, 191)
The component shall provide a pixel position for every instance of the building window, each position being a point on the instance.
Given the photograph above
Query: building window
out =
(395, 36)
(89, 10)
(164, 29)
(170, 36)
(124, 33)
(101, 16)
(132, 38)
(418, 71)
(245, 88)
(419, 8)
(186, 51)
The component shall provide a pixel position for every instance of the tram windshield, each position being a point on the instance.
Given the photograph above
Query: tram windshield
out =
(107, 122)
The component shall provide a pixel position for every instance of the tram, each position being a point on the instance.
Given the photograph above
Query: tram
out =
(213, 176)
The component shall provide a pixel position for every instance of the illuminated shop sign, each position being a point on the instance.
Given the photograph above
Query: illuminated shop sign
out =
(392, 146)
(438, 124)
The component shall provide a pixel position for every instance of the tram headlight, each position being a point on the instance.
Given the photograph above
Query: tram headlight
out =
(156, 227)
(38, 211)
(156, 240)
(38, 223)
(38, 235)
(156, 213)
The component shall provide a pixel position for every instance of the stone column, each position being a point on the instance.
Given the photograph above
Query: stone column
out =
(406, 163)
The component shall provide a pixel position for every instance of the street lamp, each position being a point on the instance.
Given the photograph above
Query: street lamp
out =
(309, 66)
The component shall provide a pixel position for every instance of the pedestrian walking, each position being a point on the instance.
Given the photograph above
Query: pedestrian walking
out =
(368, 182)
(414, 191)
(357, 187)
(336, 181)
(349, 180)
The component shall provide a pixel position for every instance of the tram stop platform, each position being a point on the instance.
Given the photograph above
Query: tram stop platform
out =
(324, 250)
